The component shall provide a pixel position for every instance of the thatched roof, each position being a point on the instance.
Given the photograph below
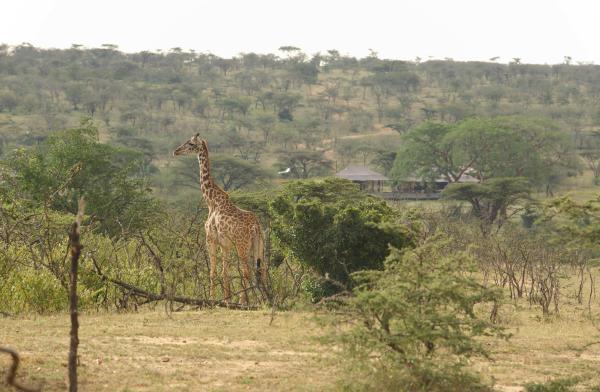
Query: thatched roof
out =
(360, 173)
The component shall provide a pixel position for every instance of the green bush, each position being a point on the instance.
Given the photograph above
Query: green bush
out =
(415, 322)
(30, 290)
(73, 163)
(332, 227)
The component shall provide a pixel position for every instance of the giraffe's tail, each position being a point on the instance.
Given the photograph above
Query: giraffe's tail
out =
(261, 264)
(259, 251)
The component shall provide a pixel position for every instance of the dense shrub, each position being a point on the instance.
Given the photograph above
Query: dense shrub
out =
(332, 227)
(73, 163)
(415, 322)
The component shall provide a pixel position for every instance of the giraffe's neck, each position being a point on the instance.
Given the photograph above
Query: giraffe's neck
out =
(213, 195)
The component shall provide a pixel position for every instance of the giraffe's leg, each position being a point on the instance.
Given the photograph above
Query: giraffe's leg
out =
(226, 251)
(243, 252)
(211, 244)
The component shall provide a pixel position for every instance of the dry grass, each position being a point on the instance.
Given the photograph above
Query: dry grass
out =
(580, 188)
(541, 349)
(215, 350)
(222, 350)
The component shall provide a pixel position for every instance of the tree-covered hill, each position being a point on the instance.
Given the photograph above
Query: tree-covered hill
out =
(313, 113)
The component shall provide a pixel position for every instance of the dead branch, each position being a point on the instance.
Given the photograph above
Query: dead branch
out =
(12, 372)
(75, 248)
(338, 297)
(157, 262)
(151, 297)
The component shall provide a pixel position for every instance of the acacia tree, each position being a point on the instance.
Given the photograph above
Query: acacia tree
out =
(592, 159)
(384, 159)
(305, 163)
(574, 223)
(285, 104)
(487, 148)
(229, 172)
(591, 155)
(428, 152)
(266, 123)
(515, 146)
(414, 322)
(490, 200)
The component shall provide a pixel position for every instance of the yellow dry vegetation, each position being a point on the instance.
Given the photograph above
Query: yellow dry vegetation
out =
(225, 350)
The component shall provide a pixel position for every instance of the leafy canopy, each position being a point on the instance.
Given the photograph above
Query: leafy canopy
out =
(416, 320)
(334, 228)
(487, 147)
(73, 163)
(490, 200)
(229, 172)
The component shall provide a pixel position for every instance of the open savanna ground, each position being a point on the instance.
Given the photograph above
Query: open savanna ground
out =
(224, 350)
(212, 350)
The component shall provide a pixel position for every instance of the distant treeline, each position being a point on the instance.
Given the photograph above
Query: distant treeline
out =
(284, 110)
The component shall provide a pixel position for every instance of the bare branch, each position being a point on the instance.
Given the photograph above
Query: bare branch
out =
(151, 297)
(12, 372)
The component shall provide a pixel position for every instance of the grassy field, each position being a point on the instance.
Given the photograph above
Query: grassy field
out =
(222, 350)
(214, 350)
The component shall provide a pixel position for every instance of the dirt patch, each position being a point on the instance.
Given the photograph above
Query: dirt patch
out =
(509, 388)
(236, 344)
(159, 341)
(380, 132)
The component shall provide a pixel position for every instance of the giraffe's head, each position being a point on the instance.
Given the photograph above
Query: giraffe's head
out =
(191, 146)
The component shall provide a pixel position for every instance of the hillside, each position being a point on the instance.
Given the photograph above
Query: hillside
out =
(312, 113)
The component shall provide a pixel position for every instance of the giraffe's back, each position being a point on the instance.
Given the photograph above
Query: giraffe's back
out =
(237, 223)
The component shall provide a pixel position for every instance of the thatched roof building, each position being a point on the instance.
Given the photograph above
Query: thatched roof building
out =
(365, 177)
(360, 173)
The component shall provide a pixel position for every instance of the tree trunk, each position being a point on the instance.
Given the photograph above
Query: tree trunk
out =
(75, 248)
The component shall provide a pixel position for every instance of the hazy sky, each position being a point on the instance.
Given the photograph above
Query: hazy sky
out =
(534, 30)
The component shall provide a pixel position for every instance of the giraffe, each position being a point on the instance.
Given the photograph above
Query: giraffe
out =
(227, 227)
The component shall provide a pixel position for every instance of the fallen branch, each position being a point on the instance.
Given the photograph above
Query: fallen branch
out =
(239, 292)
(12, 372)
(151, 297)
(338, 298)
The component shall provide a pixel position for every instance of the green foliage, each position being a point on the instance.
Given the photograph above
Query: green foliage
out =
(165, 257)
(71, 164)
(573, 223)
(516, 146)
(31, 290)
(416, 321)
(426, 153)
(229, 172)
(334, 228)
(487, 148)
(271, 103)
(305, 163)
(490, 200)
(591, 154)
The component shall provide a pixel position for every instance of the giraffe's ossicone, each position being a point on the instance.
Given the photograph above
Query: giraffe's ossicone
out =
(228, 228)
